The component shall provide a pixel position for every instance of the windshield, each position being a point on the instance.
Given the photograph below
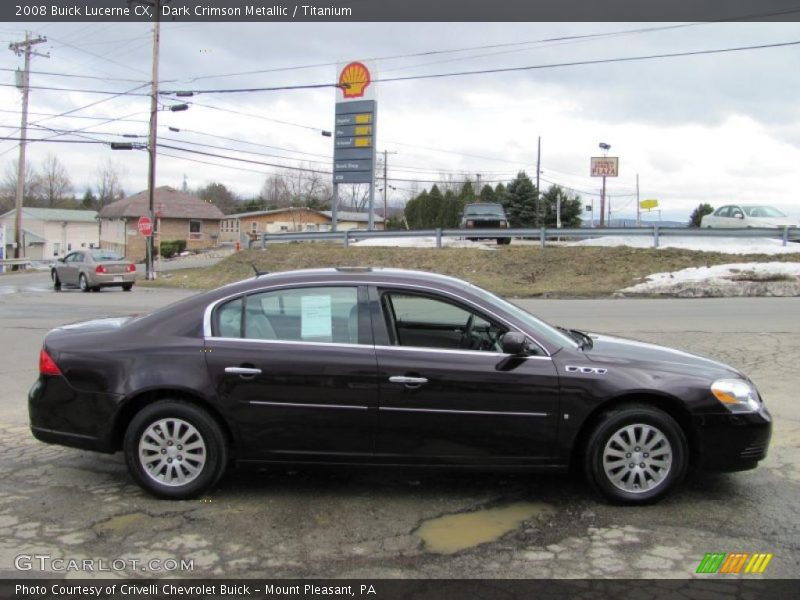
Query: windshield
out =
(763, 212)
(484, 209)
(101, 255)
(540, 330)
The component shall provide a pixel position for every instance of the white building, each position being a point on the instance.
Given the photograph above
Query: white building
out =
(52, 232)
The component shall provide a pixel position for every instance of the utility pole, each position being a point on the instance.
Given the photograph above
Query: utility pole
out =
(152, 139)
(538, 170)
(385, 184)
(638, 208)
(23, 48)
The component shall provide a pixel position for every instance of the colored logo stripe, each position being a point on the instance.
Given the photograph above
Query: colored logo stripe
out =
(721, 562)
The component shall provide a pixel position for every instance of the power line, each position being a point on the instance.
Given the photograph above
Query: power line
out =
(77, 76)
(75, 90)
(499, 69)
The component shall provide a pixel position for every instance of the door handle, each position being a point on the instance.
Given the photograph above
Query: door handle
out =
(410, 382)
(244, 371)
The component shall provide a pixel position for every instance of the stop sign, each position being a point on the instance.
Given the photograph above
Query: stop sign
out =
(145, 226)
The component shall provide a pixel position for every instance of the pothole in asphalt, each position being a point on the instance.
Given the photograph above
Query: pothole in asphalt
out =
(452, 533)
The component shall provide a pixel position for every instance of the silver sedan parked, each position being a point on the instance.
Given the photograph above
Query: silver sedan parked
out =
(94, 269)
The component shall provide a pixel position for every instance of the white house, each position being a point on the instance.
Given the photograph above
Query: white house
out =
(52, 232)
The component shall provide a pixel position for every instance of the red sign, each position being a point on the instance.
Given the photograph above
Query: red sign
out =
(145, 226)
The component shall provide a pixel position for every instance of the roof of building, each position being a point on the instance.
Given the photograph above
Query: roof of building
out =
(55, 214)
(169, 203)
(27, 235)
(358, 217)
(275, 211)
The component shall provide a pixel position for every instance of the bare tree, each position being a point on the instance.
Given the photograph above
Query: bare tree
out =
(275, 191)
(8, 188)
(308, 188)
(354, 197)
(109, 186)
(54, 182)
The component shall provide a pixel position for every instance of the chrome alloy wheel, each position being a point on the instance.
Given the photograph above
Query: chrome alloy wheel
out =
(637, 458)
(172, 452)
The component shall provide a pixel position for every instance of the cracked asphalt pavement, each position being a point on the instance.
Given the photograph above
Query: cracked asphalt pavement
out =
(70, 504)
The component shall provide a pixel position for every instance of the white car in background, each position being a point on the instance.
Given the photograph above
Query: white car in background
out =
(747, 215)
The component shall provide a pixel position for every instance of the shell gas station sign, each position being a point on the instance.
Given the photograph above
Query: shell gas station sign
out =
(355, 125)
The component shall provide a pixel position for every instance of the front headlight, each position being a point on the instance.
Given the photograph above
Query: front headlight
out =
(737, 395)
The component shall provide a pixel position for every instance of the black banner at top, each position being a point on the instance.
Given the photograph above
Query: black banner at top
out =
(398, 10)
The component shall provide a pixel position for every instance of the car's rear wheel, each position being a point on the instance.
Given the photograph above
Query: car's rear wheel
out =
(56, 280)
(83, 283)
(175, 449)
(636, 454)
(127, 287)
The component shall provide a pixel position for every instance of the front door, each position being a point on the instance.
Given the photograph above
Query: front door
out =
(448, 394)
(296, 369)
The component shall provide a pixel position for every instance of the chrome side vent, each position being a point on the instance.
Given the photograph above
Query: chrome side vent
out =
(586, 370)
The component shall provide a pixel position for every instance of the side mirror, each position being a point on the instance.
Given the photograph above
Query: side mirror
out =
(61, 259)
(513, 343)
(738, 216)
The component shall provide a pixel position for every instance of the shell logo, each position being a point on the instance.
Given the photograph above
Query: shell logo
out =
(354, 80)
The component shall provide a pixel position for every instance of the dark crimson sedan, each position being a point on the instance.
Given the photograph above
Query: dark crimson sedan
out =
(386, 367)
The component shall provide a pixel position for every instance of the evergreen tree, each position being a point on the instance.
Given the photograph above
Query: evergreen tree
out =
(698, 214)
(467, 193)
(488, 194)
(450, 212)
(571, 207)
(88, 202)
(519, 201)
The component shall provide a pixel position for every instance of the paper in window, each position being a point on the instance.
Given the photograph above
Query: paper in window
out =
(315, 317)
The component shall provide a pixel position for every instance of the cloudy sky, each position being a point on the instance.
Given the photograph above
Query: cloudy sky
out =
(718, 128)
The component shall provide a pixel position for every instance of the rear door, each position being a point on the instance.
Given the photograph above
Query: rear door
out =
(447, 392)
(296, 368)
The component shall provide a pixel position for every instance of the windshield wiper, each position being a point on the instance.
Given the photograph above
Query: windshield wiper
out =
(584, 341)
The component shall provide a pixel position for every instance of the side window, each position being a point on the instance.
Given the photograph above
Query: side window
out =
(427, 322)
(736, 212)
(229, 319)
(723, 212)
(319, 314)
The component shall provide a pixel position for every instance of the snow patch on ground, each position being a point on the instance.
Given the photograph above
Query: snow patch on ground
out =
(727, 245)
(735, 279)
(422, 242)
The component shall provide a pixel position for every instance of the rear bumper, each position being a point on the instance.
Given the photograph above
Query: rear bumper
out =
(112, 279)
(733, 442)
(60, 415)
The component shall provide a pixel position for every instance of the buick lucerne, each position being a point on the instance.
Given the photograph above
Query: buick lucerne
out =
(386, 367)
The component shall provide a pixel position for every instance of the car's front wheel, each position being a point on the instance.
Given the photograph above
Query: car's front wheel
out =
(636, 454)
(56, 280)
(175, 449)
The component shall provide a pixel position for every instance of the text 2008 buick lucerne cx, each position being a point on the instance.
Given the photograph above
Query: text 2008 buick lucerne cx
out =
(386, 367)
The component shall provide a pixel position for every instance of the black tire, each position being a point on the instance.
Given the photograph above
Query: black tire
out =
(503, 241)
(56, 280)
(83, 283)
(208, 432)
(665, 464)
(127, 287)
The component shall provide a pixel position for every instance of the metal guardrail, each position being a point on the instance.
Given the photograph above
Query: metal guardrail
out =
(786, 234)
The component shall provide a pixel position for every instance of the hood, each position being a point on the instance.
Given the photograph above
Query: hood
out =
(610, 349)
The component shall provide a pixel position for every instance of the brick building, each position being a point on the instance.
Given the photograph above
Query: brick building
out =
(180, 216)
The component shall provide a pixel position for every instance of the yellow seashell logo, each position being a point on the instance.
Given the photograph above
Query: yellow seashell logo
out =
(354, 80)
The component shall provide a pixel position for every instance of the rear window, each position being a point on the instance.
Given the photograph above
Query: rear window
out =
(101, 255)
(484, 209)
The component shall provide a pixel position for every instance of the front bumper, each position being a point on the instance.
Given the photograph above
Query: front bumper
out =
(733, 442)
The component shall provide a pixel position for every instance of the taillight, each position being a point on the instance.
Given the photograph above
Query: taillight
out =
(100, 269)
(131, 268)
(47, 366)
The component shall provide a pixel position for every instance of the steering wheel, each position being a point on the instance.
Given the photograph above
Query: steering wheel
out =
(466, 337)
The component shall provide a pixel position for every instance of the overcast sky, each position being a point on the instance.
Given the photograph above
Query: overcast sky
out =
(718, 129)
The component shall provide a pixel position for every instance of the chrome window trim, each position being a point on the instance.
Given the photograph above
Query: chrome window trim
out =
(306, 405)
(464, 412)
(346, 283)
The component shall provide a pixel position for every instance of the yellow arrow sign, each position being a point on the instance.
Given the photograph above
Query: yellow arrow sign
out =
(648, 204)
